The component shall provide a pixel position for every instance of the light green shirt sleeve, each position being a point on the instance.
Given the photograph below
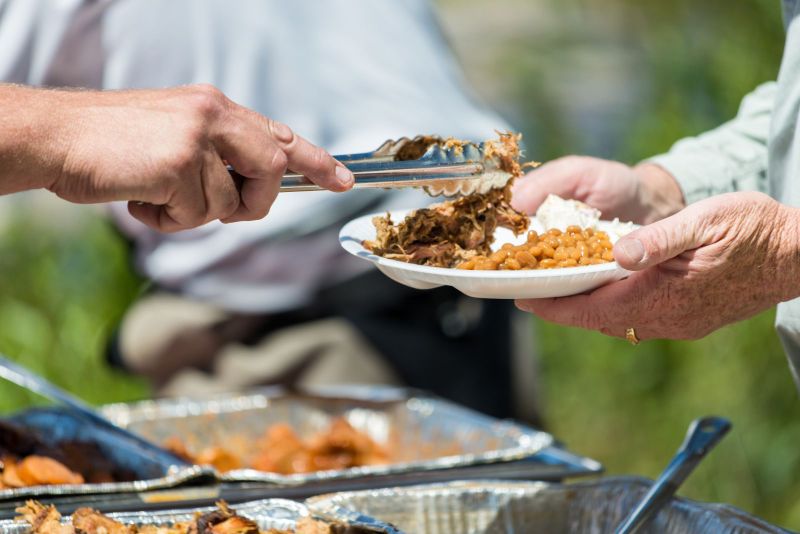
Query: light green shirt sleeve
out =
(732, 157)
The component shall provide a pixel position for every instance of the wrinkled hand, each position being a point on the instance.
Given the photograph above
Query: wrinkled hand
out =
(718, 261)
(165, 151)
(641, 194)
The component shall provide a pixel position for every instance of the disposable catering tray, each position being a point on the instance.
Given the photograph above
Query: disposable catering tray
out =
(424, 433)
(54, 426)
(553, 463)
(268, 514)
(495, 507)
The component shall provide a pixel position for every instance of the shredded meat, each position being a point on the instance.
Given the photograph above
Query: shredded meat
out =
(281, 450)
(446, 234)
(223, 520)
(43, 519)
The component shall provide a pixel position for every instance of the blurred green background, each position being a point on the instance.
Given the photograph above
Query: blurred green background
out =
(612, 78)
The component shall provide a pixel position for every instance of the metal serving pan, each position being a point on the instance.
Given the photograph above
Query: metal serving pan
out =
(277, 514)
(427, 433)
(55, 425)
(493, 507)
(552, 464)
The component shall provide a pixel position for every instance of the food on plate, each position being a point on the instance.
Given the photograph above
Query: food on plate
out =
(572, 240)
(553, 249)
(281, 450)
(448, 233)
(224, 520)
(25, 460)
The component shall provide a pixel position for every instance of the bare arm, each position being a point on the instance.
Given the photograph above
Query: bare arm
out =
(162, 150)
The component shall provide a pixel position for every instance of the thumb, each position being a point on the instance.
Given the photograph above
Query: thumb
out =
(557, 177)
(658, 242)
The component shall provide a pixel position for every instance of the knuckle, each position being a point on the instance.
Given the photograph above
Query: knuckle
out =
(320, 160)
(589, 318)
(206, 100)
(185, 161)
(195, 218)
(229, 205)
(254, 213)
(279, 163)
(280, 132)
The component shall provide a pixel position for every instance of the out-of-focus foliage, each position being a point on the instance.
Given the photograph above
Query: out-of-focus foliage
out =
(62, 291)
(624, 79)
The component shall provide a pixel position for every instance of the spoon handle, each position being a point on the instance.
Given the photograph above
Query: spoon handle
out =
(702, 436)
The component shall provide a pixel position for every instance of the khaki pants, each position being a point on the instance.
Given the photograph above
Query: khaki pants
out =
(326, 351)
(387, 334)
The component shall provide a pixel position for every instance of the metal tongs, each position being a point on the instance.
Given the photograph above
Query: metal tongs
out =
(427, 162)
(19, 375)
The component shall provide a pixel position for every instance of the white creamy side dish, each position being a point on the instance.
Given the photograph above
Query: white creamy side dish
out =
(556, 212)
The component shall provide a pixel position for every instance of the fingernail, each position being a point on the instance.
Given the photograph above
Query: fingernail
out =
(344, 176)
(522, 305)
(632, 249)
(282, 132)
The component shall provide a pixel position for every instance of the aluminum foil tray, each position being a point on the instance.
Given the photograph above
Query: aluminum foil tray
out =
(54, 425)
(427, 433)
(277, 514)
(493, 507)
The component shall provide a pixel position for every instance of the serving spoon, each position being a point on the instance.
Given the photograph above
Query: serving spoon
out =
(702, 436)
(29, 380)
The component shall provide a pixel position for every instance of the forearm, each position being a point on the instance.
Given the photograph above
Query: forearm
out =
(32, 137)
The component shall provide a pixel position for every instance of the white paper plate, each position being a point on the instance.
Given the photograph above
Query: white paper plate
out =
(485, 284)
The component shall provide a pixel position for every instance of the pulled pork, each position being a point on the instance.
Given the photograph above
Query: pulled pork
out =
(224, 520)
(448, 233)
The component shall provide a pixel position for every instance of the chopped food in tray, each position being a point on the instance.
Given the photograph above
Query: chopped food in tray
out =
(446, 234)
(224, 520)
(26, 461)
(281, 450)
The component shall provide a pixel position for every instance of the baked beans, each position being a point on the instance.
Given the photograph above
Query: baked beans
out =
(550, 250)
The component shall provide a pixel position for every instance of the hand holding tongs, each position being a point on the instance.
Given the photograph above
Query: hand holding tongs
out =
(439, 170)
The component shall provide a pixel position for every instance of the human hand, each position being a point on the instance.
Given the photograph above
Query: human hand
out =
(165, 151)
(718, 261)
(641, 194)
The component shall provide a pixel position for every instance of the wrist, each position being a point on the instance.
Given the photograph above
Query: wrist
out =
(659, 193)
(788, 261)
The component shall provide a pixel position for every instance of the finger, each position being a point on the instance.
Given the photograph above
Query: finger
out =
(185, 208)
(156, 217)
(248, 141)
(311, 161)
(569, 311)
(257, 197)
(559, 177)
(219, 189)
(610, 309)
(661, 241)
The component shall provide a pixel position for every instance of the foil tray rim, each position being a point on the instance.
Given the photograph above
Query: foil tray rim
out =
(529, 441)
(175, 477)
